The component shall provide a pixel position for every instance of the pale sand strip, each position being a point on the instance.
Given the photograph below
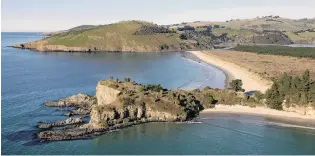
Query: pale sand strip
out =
(260, 111)
(251, 81)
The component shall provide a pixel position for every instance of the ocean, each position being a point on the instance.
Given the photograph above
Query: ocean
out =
(31, 78)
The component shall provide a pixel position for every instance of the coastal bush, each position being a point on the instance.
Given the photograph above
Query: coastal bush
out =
(152, 29)
(164, 47)
(183, 36)
(236, 85)
(209, 101)
(296, 91)
(308, 52)
(186, 28)
(127, 79)
(151, 87)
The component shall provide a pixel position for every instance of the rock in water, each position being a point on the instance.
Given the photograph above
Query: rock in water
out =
(69, 121)
(79, 100)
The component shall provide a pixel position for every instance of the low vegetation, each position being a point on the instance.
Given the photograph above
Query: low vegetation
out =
(307, 52)
(267, 66)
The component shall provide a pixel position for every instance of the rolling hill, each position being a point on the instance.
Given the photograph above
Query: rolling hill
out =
(299, 31)
(127, 36)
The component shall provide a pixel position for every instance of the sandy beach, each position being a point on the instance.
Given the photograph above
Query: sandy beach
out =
(261, 111)
(251, 81)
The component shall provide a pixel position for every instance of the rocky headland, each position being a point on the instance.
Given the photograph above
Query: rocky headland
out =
(118, 104)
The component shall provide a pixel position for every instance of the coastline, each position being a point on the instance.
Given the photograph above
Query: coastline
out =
(281, 116)
(251, 81)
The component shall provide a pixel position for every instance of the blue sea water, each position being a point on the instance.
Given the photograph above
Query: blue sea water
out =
(31, 78)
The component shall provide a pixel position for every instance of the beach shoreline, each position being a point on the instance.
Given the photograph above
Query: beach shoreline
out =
(251, 81)
(281, 116)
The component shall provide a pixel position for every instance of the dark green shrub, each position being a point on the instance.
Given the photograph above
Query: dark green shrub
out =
(127, 79)
(236, 85)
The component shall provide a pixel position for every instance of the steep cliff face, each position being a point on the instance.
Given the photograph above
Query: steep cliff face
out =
(123, 102)
(105, 94)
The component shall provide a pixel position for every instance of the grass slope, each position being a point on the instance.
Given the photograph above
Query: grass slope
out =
(115, 37)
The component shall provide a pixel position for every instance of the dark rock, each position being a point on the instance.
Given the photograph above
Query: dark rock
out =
(60, 123)
(80, 111)
(68, 114)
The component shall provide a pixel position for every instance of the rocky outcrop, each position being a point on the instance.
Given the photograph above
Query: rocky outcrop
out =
(106, 94)
(119, 104)
(79, 100)
(69, 121)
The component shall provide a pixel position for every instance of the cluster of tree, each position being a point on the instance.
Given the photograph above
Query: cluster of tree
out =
(152, 87)
(308, 52)
(291, 90)
(205, 39)
(206, 27)
(186, 28)
(154, 29)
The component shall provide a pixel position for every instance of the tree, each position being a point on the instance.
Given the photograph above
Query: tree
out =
(236, 85)
(294, 91)
(127, 79)
(156, 88)
(285, 84)
(311, 93)
(305, 83)
(208, 100)
(183, 36)
(274, 101)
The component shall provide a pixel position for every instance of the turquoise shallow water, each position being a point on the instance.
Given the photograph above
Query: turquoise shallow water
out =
(31, 78)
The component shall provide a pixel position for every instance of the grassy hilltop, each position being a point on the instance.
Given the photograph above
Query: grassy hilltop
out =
(137, 36)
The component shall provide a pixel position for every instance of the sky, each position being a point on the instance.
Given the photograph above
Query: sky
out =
(53, 15)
